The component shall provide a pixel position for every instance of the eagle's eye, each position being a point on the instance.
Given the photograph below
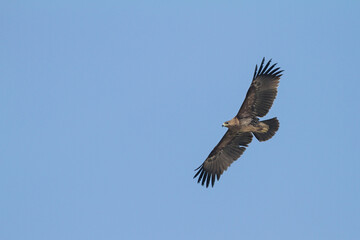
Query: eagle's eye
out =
(226, 122)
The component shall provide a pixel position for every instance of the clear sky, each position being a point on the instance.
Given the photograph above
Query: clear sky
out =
(107, 107)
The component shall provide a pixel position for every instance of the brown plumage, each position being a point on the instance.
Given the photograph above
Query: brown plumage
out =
(257, 103)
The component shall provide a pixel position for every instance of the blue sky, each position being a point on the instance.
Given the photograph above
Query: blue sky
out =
(106, 108)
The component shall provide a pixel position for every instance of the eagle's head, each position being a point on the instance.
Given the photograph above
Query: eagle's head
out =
(232, 123)
(225, 124)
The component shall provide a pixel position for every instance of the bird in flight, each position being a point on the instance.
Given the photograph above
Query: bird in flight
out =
(258, 101)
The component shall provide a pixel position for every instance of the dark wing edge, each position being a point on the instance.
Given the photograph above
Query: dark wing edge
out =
(262, 91)
(219, 160)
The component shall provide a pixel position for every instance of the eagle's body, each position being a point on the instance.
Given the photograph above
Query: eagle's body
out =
(248, 124)
(257, 103)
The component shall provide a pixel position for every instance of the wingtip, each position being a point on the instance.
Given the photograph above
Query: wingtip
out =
(206, 179)
(255, 71)
(267, 69)
(198, 167)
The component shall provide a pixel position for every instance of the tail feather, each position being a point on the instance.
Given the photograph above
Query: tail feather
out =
(273, 124)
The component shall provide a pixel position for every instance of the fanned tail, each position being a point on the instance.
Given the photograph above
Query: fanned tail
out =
(273, 124)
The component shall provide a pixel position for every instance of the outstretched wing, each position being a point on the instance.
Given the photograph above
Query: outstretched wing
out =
(228, 150)
(262, 91)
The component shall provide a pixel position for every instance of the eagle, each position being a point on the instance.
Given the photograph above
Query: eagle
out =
(258, 101)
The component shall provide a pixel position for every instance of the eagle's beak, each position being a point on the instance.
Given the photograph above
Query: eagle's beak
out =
(224, 124)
